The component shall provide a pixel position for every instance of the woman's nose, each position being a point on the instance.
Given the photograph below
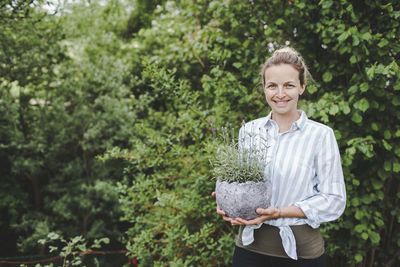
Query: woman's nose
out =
(281, 91)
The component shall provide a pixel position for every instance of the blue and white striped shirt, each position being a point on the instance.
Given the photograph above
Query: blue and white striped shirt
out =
(304, 167)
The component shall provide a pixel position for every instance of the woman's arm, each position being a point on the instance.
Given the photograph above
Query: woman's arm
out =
(327, 203)
(269, 214)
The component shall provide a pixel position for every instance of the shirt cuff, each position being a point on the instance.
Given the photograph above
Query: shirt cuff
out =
(311, 215)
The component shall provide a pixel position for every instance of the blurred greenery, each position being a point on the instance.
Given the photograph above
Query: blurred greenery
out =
(107, 110)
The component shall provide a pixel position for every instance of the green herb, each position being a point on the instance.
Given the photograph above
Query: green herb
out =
(240, 163)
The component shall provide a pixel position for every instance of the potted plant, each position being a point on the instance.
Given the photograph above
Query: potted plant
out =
(240, 169)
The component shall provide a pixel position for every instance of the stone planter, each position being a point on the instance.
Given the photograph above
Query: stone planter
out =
(242, 199)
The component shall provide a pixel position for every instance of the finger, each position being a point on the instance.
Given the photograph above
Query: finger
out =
(236, 222)
(242, 221)
(221, 212)
(226, 218)
(268, 211)
(257, 220)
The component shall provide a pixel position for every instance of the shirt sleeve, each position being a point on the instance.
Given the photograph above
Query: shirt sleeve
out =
(329, 201)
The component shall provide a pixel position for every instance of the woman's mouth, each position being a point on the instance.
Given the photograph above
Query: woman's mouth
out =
(281, 103)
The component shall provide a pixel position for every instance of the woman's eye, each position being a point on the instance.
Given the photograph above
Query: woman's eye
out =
(289, 85)
(271, 86)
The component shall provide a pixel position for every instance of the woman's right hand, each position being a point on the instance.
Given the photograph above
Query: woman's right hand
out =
(221, 212)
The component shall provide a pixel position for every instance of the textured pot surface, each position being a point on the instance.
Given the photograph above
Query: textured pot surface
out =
(242, 199)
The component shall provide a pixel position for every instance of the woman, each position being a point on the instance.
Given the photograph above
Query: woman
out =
(305, 170)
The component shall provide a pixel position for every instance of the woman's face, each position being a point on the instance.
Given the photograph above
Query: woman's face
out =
(282, 89)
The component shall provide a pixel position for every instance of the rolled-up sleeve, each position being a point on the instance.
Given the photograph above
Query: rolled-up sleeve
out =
(329, 200)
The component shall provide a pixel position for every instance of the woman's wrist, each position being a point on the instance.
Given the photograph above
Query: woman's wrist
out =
(290, 212)
(279, 213)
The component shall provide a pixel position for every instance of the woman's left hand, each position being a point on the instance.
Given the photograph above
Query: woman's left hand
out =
(265, 214)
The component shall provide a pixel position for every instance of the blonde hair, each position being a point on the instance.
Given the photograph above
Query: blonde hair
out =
(290, 56)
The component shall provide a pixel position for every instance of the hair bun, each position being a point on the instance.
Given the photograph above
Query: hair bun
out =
(287, 55)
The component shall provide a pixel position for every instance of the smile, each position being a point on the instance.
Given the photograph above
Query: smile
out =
(281, 102)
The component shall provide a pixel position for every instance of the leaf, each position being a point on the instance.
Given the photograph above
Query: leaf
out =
(300, 5)
(327, 76)
(374, 126)
(370, 72)
(396, 167)
(387, 134)
(386, 145)
(362, 105)
(237, 65)
(334, 110)
(15, 89)
(360, 228)
(384, 42)
(356, 118)
(355, 202)
(364, 87)
(346, 109)
(366, 36)
(358, 257)
(387, 166)
(342, 37)
(77, 239)
(396, 101)
(356, 40)
(353, 89)
(53, 236)
(368, 199)
(364, 235)
(311, 88)
(375, 237)
(359, 214)
(280, 22)
(396, 86)
(377, 184)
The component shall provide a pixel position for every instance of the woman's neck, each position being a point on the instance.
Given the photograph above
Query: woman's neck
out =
(285, 121)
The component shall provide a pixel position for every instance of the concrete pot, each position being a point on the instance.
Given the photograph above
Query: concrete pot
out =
(242, 199)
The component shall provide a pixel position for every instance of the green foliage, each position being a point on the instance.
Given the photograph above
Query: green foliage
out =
(108, 121)
(60, 107)
(71, 251)
(218, 46)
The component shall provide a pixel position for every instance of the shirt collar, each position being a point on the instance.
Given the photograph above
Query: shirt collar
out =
(299, 124)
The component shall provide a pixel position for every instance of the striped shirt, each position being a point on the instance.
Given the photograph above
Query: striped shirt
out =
(304, 168)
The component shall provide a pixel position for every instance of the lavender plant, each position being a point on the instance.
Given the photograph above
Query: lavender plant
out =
(242, 161)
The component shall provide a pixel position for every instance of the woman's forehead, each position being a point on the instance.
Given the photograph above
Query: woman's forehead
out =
(281, 73)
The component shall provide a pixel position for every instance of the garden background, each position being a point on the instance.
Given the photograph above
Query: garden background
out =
(108, 109)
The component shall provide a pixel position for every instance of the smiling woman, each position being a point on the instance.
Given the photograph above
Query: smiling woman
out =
(282, 90)
(305, 171)
(284, 78)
